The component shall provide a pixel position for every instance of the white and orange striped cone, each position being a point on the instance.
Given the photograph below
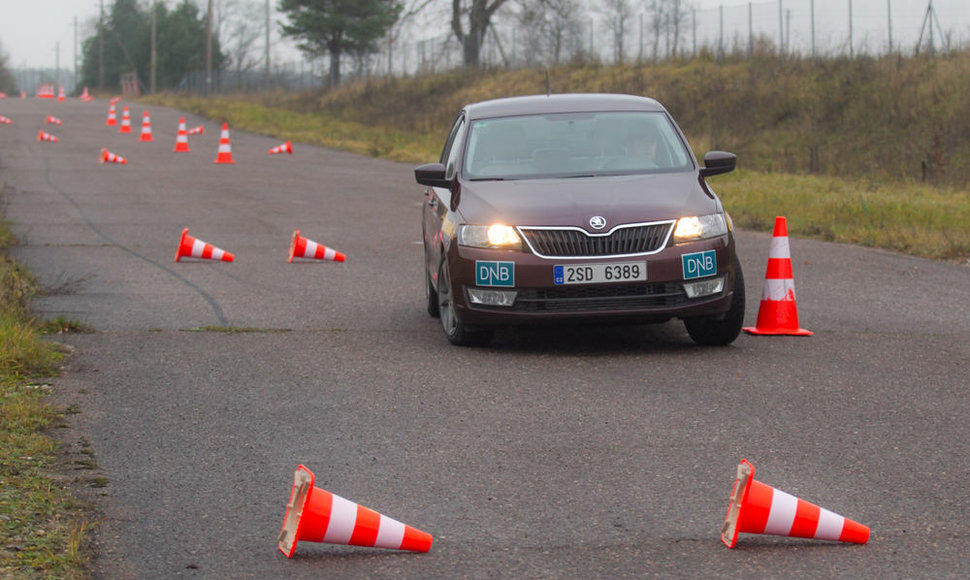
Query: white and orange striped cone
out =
(52, 120)
(112, 119)
(778, 314)
(5, 121)
(284, 148)
(125, 121)
(108, 157)
(182, 139)
(301, 247)
(224, 155)
(85, 97)
(190, 247)
(146, 128)
(60, 94)
(757, 508)
(316, 515)
(200, 130)
(45, 136)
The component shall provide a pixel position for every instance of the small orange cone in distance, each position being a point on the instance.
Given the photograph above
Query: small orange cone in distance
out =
(52, 120)
(757, 508)
(200, 130)
(109, 157)
(316, 515)
(45, 136)
(284, 148)
(182, 139)
(112, 119)
(5, 120)
(224, 155)
(125, 121)
(190, 247)
(778, 314)
(301, 247)
(146, 128)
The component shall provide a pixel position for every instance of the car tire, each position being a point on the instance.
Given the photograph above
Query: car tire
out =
(430, 293)
(455, 330)
(721, 330)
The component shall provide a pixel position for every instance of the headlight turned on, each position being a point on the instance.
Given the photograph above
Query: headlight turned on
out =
(693, 228)
(494, 236)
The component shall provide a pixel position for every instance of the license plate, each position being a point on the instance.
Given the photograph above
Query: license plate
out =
(600, 273)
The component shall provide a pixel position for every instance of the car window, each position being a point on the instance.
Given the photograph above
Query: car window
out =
(454, 147)
(574, 144)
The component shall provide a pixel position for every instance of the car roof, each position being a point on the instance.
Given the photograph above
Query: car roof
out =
(560, 103)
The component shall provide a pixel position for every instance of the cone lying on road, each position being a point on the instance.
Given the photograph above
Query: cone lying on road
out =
(757, 508)
(224, 155)
(182, 139)
(108, 157)
(284, 148)
(5, 121)
(146, 128)
(45, 136)
(190, 247)
(301, 247)
(125, 121)
(316, 515)
(52, 120)
(200, 130)
(778, 314)
(112, 119)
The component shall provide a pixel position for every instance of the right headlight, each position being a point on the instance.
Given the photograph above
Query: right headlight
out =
(693, 228)
(495, 236)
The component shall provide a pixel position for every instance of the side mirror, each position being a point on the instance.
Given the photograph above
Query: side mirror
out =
(431, 174)
(718, 162)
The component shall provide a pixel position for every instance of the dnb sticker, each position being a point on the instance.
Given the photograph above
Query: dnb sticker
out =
(699, 264)
(494, 273)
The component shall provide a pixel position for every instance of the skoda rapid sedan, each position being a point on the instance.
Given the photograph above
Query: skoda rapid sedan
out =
(576, 208)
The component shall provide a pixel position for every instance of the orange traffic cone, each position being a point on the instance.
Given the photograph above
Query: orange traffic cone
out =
(125, 121)
(60, 94)
(316, 515)
(146, 128)
(301, 247)
(108, 157)
(778, 313)
(5, 121)
(112, 117)
(190, 247)
(182, 139)
(224, 154)
(284, 148)
(757, 508)
(44, 136)
(52, 120)
(200, 130)
(85, 96)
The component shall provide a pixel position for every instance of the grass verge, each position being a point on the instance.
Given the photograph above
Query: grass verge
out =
(42, 525)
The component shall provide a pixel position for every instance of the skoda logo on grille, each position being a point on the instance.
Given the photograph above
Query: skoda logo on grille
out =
(597, 222)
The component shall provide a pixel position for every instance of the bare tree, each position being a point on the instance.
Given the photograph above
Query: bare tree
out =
(479, 14)
(618, 14)
(241, 25)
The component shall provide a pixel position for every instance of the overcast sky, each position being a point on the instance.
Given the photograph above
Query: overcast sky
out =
(30, 30)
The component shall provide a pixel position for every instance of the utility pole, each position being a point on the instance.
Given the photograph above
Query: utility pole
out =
(57, 62)
(208, 48)
(101, 47)
(813, 28)
(75, 51)
(154, 50)
(267, 43)
(889, 16)
(851, 53)
(781, 30)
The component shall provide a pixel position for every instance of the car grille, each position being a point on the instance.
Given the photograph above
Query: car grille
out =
(600, 298)
(575, 243)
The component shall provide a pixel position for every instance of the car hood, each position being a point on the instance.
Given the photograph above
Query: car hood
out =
(573, 201)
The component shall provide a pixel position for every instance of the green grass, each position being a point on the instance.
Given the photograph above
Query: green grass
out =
(42, 526)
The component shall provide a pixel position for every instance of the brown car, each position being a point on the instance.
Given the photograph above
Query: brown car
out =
(576, 207)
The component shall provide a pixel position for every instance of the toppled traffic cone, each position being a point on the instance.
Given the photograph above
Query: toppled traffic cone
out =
(301, 247)
(757, 508)
(146, 128)
(5, 121)
(778, 314)
(284, 148)
(52, 120)
(109, 157)
(200, 130)
(112, 119)
(125, 121)
(224, 155)
(316, 515)
(182, 139)
(190, 247)
(45, 136)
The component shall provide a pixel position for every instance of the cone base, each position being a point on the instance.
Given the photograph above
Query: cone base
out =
(776, 332)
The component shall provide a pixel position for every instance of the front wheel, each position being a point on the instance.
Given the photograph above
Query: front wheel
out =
(722, 329)
(455, 330)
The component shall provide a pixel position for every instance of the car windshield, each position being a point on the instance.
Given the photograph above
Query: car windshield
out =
(574, 145)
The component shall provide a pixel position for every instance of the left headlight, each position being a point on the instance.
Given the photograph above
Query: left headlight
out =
(700, 227)
(494, 236)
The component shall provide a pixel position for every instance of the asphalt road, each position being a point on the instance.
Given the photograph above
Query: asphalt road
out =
(569, 453)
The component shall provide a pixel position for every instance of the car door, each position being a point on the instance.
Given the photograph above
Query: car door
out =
(437, 200)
